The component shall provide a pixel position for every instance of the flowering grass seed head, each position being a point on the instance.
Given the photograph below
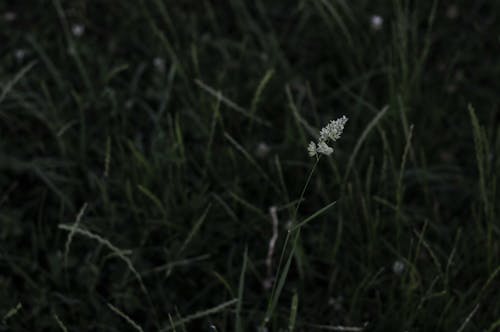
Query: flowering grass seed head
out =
(312, 149)
(331, 132)
(323, 148)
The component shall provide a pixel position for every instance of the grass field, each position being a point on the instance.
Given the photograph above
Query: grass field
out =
(154, 173)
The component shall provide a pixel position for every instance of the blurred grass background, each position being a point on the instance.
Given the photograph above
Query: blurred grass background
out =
(176, 125)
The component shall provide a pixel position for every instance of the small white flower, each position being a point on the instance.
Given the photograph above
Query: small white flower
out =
(323, 148)
(398, 267)
(159, 64)
(262, 150)
(376, 22)
(20, 54)
(78, 30)
(312, 149)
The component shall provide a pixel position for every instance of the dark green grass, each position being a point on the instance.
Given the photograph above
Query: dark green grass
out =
(176, 222)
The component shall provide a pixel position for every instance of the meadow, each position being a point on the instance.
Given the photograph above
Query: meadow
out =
(155, 175)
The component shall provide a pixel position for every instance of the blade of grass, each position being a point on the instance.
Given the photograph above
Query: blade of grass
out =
(468, 318)
(10, 84)
(278, 288)
(126, 317)
(200, 314)
(119, 252)
(251, 160)
(153, 198)
(12, 312)
(232, 105)
(72, 232)
(313, 216)
(241, 287)
(195, 229)
(258, 93)
(293, 312)
(399, 188)
(362, 138)
(60, 323)
(482, 153)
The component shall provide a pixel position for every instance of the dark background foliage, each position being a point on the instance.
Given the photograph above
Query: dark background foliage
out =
(153, 118)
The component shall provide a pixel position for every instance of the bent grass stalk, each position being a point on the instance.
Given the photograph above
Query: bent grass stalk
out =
(72, 232)
(200, 314)
(126, 317)
(119, 252)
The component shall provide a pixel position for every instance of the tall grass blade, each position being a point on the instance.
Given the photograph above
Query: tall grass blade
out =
(241, 287)
(8, 87)
(293, 312)
(200, 314)
(126, 317)
(362, 138)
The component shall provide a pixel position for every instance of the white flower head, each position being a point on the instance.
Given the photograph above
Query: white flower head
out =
(78, 30)
(20, 54)
(331, 132)
(323, 148)
(312, 149)
(376, 22)
(159, 64)
(262, 150)
(398, 267)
